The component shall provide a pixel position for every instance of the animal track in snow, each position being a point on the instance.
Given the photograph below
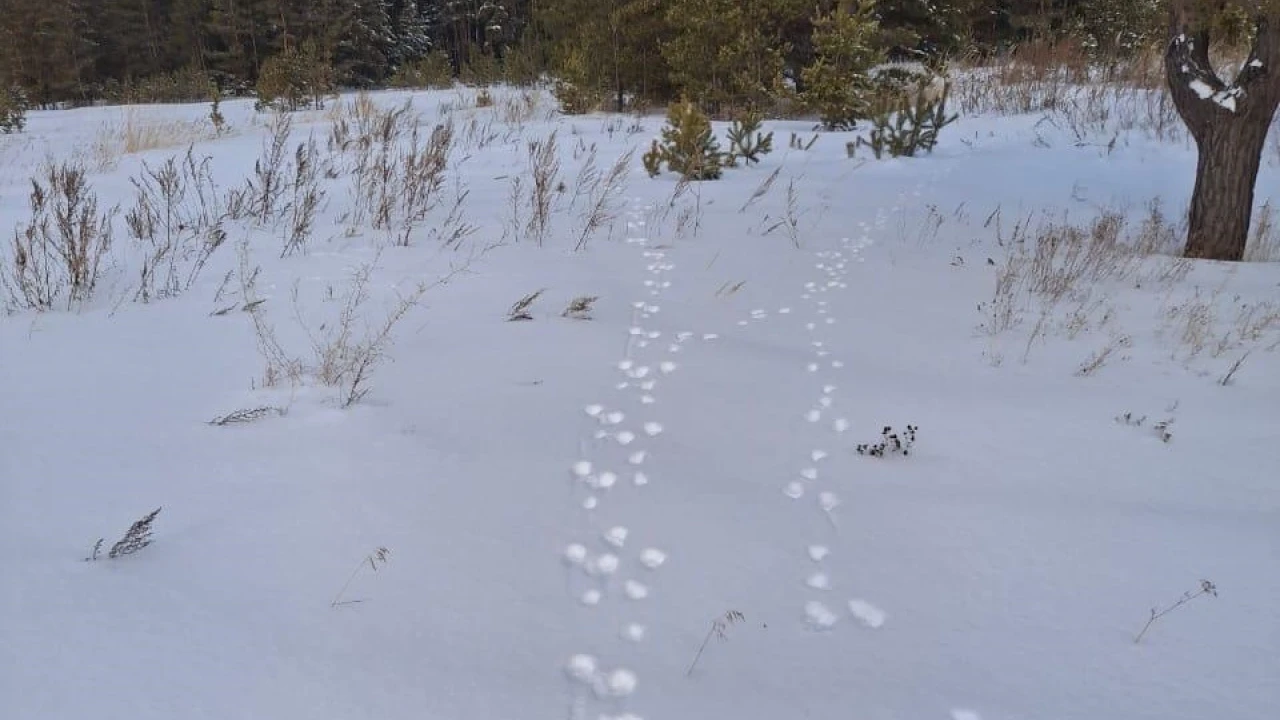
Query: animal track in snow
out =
(616, 536)
(819, 616)
(818, 553)
(965, 715)
(581, 668)
(652, 428)
(652, 558)
(619, 683)
(633, 632)
(635, 590)
(575, 553)
(868, 614)
(818, 581)
(794, 490)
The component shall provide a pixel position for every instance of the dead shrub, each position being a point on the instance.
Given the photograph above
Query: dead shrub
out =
(58, 252)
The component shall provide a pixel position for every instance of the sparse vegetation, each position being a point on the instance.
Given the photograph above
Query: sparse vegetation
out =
(1206, 588)
(379, 557)
(56, 256)
(520, 310)
(135, 538)
(719, 630)
(579, 308)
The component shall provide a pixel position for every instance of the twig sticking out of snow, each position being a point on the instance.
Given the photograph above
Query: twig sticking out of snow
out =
(718, 629)
(1206, 588)
(373, 559)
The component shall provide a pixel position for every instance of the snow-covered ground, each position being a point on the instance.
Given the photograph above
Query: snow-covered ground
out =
(573, 507)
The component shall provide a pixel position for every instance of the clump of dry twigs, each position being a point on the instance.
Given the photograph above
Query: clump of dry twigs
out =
(177, 215)
(520, 310)
(57, 254)
(135, 538)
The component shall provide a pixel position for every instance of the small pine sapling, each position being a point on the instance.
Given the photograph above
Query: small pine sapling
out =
(1206, 588)
(13, 110)
(746, 141)
(912, 128)
(135, 538)
(520, 310)
(891, 443)
(719, 628)
(688, 146)
(216, 117)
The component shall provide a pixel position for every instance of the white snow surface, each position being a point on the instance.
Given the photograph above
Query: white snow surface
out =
(999, 571)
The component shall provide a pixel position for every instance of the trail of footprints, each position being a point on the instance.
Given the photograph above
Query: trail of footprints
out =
(808, 485)
(614, 566)
(622, 440)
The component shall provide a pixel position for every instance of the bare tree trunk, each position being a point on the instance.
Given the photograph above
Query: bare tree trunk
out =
(1229, 124)
(1222, 202)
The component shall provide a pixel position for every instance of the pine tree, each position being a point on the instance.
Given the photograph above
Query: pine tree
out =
(364, 43)
(412, 36)
(837, 86)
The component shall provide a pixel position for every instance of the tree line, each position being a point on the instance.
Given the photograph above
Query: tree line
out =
(81, 51)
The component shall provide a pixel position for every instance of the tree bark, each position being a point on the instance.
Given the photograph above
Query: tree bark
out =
(1229, 124)
(1222, 201)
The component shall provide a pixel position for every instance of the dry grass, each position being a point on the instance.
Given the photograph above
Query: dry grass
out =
(136, 133)
(1090, 98)
(344, 351)
(177, 217)
(602, 206)
(1062, 275)
(58, 253)
(1264, 241)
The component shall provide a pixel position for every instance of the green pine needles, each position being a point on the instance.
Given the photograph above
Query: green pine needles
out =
(911, 128)
(689, 147)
